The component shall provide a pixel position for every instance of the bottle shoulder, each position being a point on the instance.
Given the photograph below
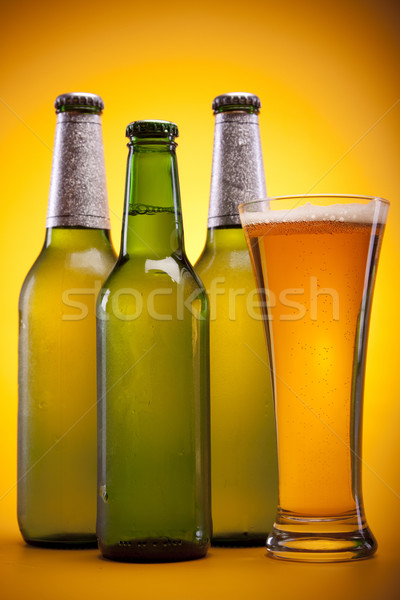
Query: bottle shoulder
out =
(142, 282)
(32, 276)
(229, 260)
(61, 268)
(140, 270)
(88, 258)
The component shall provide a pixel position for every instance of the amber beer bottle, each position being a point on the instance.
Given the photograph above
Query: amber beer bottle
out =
(243, 440)
(57, 338)
(153, 372)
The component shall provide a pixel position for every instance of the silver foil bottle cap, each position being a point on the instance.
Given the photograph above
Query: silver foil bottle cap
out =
(238, 168)
(236, 100)
(76, 100)
(78, 193)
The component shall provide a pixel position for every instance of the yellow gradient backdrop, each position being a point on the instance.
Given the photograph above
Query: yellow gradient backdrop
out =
(328, 77)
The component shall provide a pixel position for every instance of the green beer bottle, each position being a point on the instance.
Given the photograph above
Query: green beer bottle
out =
(153, 372)
(243, 441)
(57, 338)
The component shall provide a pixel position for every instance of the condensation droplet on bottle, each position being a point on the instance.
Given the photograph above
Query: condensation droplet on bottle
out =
(103, 493)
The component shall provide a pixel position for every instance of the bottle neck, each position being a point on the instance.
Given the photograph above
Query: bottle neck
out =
(78, 194)
(229, 238)
(152, 216)
(237, 170)
(76, 240)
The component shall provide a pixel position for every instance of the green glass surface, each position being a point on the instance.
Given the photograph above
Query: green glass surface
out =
(153, 377)
(243, 438)
(57, 388)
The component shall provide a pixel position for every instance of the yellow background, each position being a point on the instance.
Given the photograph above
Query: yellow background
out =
(328, 77)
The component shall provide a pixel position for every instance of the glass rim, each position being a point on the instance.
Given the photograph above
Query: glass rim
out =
(355, 197)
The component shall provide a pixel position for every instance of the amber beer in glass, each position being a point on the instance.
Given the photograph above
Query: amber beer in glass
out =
(315, 259)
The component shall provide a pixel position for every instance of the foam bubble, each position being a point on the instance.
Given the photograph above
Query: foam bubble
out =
(343, 213)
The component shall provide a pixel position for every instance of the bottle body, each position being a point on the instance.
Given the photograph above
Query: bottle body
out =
(153, 378)
(57, 388)
(243, 439)
(57, 338)
(152, 416)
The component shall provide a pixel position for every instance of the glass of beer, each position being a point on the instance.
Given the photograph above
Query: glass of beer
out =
(315, 259)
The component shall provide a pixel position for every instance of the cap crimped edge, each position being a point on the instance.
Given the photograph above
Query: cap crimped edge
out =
(154, 127)
(237, 99)
(79, 99)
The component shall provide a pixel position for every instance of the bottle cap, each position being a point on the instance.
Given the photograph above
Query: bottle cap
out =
(236, 101)
(78, 100)
(152, 128)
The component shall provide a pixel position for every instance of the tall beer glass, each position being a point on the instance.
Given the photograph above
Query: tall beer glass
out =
(315, 259)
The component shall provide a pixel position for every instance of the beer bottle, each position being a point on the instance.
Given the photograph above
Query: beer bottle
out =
(57, 338)
(243, 440)
(153, 372)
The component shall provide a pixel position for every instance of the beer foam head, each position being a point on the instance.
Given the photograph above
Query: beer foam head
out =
(344, 213)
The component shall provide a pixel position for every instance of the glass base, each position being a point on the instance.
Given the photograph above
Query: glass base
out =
(321, 539)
